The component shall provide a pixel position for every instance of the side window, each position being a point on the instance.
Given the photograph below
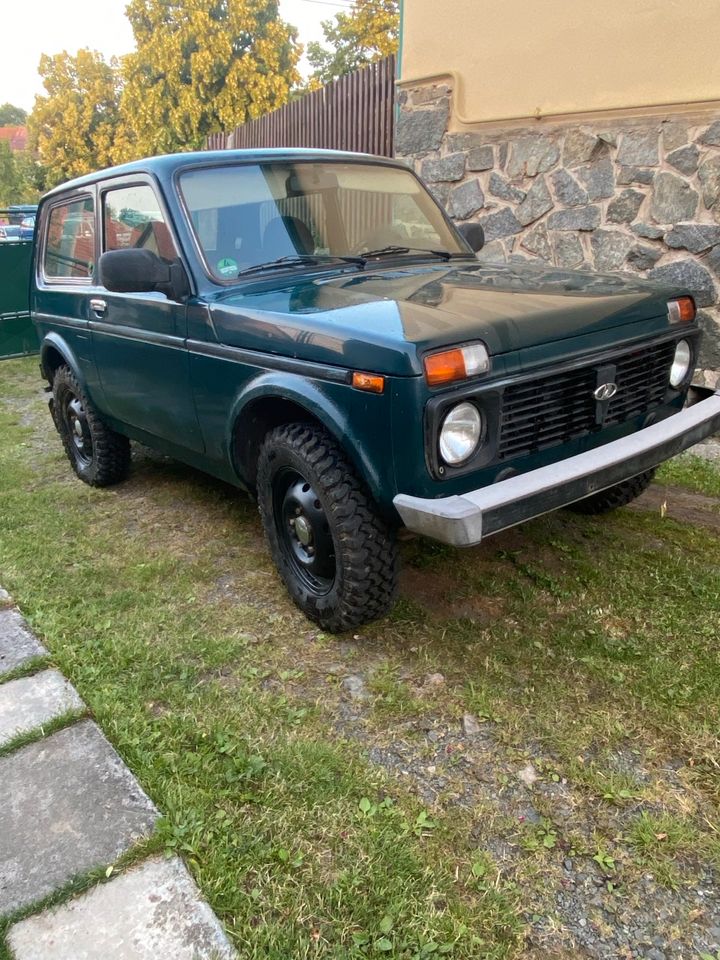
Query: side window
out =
(132, 218)
(70, 241)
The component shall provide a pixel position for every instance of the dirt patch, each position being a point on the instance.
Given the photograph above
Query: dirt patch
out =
(682, 505)
(445, 597)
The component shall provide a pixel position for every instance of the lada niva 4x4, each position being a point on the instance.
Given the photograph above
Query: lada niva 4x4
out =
(310, 326)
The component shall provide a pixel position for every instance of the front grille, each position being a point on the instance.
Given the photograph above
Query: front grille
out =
(554, 409)
(642, 381)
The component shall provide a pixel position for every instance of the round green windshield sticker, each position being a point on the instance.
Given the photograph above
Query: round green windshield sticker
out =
(227, 267)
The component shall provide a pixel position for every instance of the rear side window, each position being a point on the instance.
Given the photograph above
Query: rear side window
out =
(70, 241)
(132, 218)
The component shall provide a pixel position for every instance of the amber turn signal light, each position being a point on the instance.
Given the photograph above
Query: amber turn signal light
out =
(370, 382)
(457, 364)
(681, 310)
(445, 367)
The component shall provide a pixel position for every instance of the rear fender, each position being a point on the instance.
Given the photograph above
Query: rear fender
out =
(52, 346)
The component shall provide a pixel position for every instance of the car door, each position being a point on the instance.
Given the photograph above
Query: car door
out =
(140, 338)
(63, 280)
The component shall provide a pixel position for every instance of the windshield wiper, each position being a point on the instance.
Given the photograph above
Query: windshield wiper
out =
(387, 251)
(309, 259)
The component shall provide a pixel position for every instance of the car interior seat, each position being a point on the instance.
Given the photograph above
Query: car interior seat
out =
(285, 236)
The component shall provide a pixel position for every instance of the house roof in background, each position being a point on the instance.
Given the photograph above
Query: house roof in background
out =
(16, 137)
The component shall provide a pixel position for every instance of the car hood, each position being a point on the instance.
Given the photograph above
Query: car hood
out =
(384, 320)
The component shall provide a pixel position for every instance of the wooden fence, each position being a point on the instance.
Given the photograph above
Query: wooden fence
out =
(355, 112)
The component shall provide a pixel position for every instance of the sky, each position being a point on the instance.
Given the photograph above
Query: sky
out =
(49, 26)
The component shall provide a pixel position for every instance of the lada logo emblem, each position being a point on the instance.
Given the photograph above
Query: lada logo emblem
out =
(605, 391)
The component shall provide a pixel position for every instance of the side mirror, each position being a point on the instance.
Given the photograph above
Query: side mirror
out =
(474, 234)
(141, 271)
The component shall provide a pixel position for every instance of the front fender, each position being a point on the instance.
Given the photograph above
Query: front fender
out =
(355, 419)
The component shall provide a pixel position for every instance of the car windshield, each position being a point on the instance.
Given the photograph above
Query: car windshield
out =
(245, 215)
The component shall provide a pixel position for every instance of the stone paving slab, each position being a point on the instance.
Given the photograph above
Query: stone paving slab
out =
(67, 804)
(152, 912)
(17, 644)
(30, 702)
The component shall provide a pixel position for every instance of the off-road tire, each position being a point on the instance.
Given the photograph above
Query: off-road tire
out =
(108, 459)
(364, 583)
(614, 497)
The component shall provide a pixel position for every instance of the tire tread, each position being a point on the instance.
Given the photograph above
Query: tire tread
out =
(369, 563)
(111, 450)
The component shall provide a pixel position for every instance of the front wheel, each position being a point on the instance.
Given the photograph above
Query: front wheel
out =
(614, 497)
(98, 455)
(336, 556)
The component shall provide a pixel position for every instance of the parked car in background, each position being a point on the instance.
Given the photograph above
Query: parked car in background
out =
(310, 326)
(17, 222)
(17, 212)
(27, 228)
(10, 231)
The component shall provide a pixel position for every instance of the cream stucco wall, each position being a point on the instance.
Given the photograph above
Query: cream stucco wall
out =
(523, 58)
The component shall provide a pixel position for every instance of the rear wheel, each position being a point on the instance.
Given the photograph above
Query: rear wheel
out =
(614, 497)
(337, 557)
(98, 455)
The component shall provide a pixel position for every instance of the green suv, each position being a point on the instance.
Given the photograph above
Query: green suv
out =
(311, 327)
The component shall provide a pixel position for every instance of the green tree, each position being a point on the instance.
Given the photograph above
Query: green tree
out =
(8, 176)
(75, 128)
(201, 66)
(19, 175)
(368, 32)
(11, 116)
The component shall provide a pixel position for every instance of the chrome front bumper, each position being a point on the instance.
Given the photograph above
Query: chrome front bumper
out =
(467, 518)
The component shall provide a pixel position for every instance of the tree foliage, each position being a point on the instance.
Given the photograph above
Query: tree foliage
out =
(19, 177)
(75, 128)
(12, 116)
(202, 66)
(368, 32)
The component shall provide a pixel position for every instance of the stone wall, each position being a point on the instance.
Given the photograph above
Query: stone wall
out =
(639, 194)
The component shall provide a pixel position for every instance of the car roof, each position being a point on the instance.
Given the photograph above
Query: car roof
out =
(163, 167)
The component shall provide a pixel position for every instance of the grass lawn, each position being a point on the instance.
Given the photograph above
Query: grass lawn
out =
(521, 761)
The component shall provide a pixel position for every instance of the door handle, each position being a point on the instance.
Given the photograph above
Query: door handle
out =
(98, 306)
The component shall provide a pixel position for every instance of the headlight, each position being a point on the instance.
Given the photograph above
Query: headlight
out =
(460, 433)
(681, 363)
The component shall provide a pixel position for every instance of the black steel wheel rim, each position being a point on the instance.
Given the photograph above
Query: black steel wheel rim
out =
(304, 531)
(78, 428)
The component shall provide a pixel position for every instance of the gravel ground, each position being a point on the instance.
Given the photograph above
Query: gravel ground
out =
(708, 450)
(511, 800)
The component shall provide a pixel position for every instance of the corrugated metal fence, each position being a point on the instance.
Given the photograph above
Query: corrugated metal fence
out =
(355, 112)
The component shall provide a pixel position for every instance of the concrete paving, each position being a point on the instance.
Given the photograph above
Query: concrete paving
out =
(152, 912)
(67, 804)
(17, 644)
(30, 702)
